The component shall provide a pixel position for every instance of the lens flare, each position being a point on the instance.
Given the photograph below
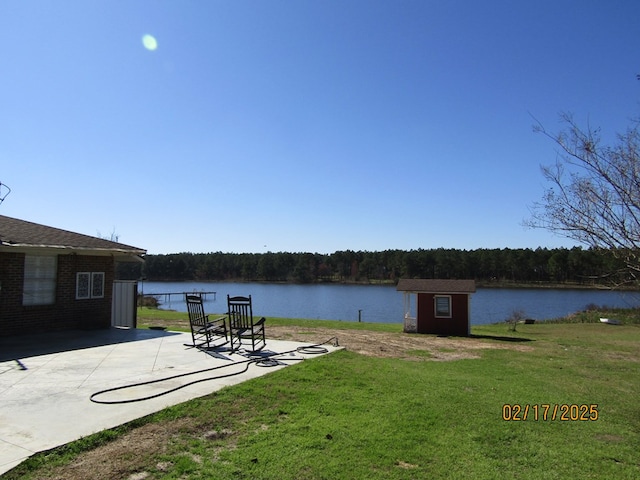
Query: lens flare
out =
(149, 42)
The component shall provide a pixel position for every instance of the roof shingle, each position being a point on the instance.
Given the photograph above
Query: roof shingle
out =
(436, 285)
(15, 232)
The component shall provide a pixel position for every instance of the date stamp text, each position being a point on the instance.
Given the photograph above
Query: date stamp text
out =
(565, 412)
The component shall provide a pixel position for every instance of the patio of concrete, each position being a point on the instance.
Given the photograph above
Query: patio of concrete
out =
(47, 381)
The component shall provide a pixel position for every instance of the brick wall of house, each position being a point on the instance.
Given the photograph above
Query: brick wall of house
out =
(11, 278)
(67, 312)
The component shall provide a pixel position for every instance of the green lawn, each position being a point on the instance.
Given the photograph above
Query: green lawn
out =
(348, 416)
(149, 317)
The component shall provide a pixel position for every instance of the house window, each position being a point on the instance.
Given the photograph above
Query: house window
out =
(89, 285)
(443, 306)
(97, 285)
(40, 278)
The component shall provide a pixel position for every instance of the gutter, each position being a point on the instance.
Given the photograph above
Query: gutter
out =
(26, 247)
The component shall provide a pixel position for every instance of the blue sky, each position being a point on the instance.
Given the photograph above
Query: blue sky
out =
(302, 126)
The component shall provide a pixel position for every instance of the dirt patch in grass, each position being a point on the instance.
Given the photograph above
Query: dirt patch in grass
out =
(125, 457)
(406, 346)
(396, 345)
(621, 356)
(133, 455)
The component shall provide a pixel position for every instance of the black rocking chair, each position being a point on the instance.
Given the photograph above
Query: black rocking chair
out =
(203, 330)
(241, 324)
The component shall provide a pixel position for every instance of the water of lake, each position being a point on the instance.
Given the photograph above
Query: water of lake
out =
(382, 304)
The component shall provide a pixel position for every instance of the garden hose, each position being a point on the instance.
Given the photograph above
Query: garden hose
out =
(266, 361)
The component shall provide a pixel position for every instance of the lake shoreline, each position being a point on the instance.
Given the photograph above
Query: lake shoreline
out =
(390, 283)
(369, 303)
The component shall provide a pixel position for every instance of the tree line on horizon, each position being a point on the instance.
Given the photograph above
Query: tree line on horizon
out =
(542, 265)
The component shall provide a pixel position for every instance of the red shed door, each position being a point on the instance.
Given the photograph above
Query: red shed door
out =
(426, 321)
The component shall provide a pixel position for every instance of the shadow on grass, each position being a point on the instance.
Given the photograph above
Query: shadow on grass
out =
(502, 338)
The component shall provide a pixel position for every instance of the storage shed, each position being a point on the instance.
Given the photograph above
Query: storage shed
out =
(437, 306)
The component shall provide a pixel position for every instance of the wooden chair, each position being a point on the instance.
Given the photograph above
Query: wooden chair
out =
(203, 330)
(241, 324)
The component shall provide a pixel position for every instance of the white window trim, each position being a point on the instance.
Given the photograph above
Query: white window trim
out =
(435, 306)
(94, 282)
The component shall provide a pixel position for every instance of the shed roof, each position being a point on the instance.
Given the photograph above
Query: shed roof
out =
(424, 285)
(22, 234)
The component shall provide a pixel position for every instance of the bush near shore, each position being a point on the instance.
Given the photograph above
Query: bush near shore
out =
(593, 314)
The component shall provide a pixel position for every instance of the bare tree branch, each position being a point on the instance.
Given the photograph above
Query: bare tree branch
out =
(594, 193)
